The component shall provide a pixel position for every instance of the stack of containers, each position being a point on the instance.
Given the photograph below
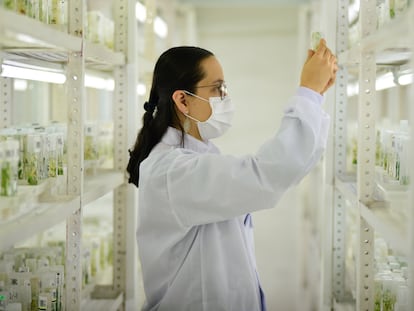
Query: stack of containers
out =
(386, 11)
(393, 155)
(29, 156)
(53, 12)
(32, 279)
(391, 280)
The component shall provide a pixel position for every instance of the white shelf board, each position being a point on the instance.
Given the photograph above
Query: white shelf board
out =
(389, 227)
(347, 186)
(20, 31)
(393, 192)
(101, 57)
(42, 217)
(101, 183)
(102, 304)
(343, 306)
(102, 277)
(24, 38)
(52, 211)
(391, 43)
(386, 221)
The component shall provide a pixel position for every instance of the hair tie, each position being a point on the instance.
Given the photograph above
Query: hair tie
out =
(150, 106)
(131, 153)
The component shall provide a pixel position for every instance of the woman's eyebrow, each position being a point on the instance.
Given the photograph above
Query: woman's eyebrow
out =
(217, 81)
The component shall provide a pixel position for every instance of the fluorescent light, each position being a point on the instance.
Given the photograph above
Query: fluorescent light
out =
(353, 11)
(28, 39)
(99, 83)
(141, 89)
(32, 74)
(140, 12)
(405, 79)
(352, 89)
(20, 85)
(160, 27)
(385, 82)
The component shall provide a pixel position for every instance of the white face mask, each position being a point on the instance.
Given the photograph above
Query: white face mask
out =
(222, 111)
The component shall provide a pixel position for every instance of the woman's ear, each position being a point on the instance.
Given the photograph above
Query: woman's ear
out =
(180, 101)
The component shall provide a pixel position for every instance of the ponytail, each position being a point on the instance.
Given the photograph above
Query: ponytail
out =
(155, 124)
(177, 69)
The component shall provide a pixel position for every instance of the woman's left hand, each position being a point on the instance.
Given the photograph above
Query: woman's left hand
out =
(334, 69)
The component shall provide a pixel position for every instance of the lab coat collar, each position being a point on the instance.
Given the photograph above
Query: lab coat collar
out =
(173, 138)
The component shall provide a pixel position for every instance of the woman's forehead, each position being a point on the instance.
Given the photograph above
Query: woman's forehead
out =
(213, 70)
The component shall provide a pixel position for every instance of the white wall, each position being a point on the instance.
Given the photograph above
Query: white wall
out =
(257, 48)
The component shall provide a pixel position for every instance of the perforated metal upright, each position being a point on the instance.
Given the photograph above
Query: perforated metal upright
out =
(75, 170)
(125, 96)
(366, 160)
(411, 174)
(340, 142)
(6, 94)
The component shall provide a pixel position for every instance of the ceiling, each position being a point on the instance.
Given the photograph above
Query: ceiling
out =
(210, 3)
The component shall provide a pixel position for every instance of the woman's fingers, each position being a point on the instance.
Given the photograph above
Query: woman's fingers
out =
(319, 71)
(321, 48)
(310, 54)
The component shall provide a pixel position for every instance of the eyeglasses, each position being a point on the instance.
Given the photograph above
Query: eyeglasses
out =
(221, 88)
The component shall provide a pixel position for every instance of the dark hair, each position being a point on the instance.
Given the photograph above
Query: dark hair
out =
(176, 69)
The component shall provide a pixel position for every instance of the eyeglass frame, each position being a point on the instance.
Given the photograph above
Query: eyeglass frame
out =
(221, 86)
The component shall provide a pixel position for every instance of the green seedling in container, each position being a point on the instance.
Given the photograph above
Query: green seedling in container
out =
(10, 4)
(31, 170)
(6, 179)
(316, 37)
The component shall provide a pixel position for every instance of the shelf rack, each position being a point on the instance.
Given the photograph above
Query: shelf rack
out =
(28, 42)
(380, 216)
(378, 210)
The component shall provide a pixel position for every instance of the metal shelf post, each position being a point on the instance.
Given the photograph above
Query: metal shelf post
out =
(75, 170)
(125, 95)
(6, 93)
(340, 142)
(411, 187)
(366, 160)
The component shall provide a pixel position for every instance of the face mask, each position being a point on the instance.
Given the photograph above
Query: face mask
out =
(222, 111)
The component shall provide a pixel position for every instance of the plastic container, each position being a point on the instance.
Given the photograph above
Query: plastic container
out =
(316, 36)
(4, 296)
(91, 152)
(10, 4)
(33, 9)
(58, 13)
(33, 158)
(60, 130)
(20, 289)
(109, 29)
(96, 27)
(397, 7)
(383, 12)
(22, 6)
(105, 142)
(44, 152)
(9, 167)
(52, 156)
(43, 11)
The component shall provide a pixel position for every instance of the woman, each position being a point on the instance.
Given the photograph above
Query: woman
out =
(194, 230)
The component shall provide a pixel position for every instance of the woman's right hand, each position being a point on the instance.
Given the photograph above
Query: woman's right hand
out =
(319, 70)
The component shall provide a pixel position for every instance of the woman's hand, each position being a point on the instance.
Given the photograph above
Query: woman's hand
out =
(319, 70)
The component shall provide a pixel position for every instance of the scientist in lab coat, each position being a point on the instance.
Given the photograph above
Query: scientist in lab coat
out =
(194, 227)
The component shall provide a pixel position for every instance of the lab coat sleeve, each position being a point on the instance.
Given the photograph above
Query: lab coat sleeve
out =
(205, 188)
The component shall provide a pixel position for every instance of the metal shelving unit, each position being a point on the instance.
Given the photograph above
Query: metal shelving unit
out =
(29, 42)
(379, 211)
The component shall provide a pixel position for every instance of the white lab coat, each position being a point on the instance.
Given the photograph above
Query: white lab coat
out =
(196, 251)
